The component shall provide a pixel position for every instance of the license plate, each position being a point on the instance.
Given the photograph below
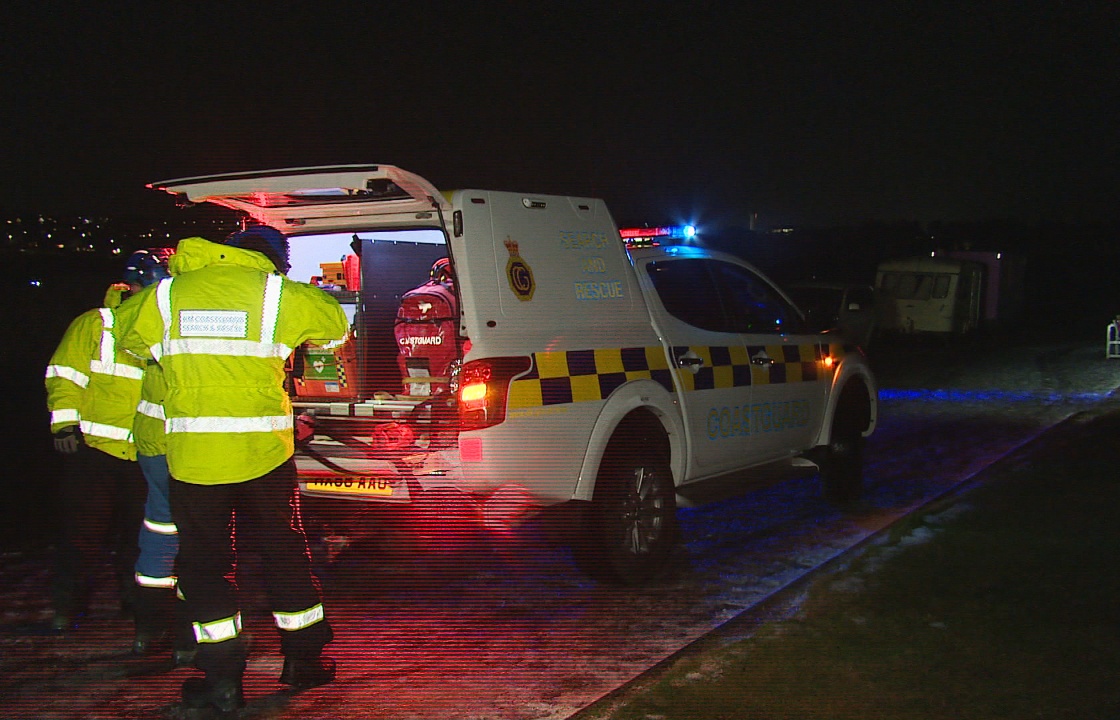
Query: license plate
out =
(351, 485)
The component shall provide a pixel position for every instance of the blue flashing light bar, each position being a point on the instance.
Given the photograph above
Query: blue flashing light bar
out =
(652, 236)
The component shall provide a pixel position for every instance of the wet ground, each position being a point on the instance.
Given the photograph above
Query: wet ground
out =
(470, 626)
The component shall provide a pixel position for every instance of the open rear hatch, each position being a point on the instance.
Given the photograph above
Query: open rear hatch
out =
(334, 197)
(375, 417)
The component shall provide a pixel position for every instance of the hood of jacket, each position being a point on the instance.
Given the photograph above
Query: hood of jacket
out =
(194, 253)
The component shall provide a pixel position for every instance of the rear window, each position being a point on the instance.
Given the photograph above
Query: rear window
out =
(688, 292)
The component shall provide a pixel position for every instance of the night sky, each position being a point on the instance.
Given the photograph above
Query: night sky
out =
(805, 113)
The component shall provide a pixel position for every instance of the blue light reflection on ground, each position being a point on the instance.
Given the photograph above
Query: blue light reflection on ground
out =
(1005, 396)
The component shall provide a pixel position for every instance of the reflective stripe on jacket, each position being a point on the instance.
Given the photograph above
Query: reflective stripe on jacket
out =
(94, 384)
(221, 328)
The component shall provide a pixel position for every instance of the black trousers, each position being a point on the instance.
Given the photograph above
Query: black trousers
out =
(267, 518)
(100, 504)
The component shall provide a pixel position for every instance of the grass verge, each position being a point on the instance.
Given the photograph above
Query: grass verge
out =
(1003, 603)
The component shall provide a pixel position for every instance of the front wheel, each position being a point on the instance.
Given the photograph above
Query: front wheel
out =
(631, 524)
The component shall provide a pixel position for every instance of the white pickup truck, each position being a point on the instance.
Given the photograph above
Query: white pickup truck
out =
(511, 349)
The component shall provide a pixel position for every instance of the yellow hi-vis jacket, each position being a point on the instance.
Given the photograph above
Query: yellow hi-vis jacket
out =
(221, 327)
(93, 383)
(147, 426)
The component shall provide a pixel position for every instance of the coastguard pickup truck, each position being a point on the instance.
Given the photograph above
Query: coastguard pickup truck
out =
(511, 349)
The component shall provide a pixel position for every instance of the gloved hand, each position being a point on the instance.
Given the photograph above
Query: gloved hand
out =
(305, 428)
(68, 439)
(115, 294)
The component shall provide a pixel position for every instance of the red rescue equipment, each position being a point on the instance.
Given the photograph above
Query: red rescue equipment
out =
(425, 333)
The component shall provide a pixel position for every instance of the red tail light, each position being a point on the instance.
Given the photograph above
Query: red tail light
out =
(484, 389)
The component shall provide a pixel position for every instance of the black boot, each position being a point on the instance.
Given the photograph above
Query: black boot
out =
(183, 657)
(184, 646)
(224, 694)
(224, 665)
(304, 673)
(152, 607)
(70, 595)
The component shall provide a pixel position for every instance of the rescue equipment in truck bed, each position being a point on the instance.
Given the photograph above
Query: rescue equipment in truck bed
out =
(342, 275)
(321, 373)
(425, 333)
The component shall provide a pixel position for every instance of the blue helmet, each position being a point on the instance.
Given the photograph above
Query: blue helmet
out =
(266, 240)
(148, 266)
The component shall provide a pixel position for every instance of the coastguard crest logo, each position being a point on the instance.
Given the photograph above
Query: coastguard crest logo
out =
(519, 274)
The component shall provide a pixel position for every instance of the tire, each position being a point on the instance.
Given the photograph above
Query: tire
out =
(841, 461)
(630, 528)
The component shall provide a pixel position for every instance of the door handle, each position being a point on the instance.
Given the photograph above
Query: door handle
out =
(690, 362)
(762, 360)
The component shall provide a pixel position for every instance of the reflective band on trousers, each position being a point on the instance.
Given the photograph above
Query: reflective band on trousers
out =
(62, 371)
(267, 423)
(106, 431)
(299, 620)
(151, 409)
(218, 630)
(161, 528)
(155, 582)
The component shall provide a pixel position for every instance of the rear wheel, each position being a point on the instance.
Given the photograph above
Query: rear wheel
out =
(631, 525)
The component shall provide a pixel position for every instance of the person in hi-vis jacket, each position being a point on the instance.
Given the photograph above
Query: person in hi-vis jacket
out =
(221, 328)
(160, 618)
(93, 387)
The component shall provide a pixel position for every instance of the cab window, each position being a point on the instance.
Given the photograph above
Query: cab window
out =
(722, 297)
(757, 308)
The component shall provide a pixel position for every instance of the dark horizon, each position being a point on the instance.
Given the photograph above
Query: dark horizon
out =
(808, 114)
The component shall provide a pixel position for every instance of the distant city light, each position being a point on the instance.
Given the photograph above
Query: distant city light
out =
(100, 236)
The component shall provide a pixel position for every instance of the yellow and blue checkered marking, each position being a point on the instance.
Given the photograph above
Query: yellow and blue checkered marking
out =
(570, 376)
(792, 363)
